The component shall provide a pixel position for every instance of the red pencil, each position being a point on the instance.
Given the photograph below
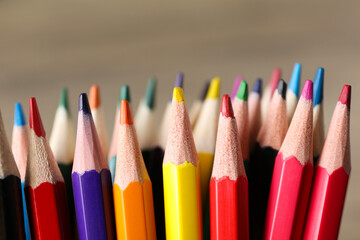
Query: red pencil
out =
(44, 185)
(229, 204)
(332, 175)
(292, 175)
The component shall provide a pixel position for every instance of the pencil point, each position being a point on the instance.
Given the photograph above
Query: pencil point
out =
(294, 84)
(125, 113)
(35, 122)
(150, 93)
(281, 88)
(179, 80)
(318, 86)
(64, 99)
(19, 117)
(125, 93)
(275, 78)
(205, 90)
(307, 91)
(345, 96)
(94, 97)
(242, 93)
(84, 104)
(236, 86)
(178, 94)
(214, 88)
(258, 86)
(226, 107)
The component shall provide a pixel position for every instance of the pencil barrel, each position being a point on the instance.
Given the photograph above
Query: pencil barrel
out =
(182, 202)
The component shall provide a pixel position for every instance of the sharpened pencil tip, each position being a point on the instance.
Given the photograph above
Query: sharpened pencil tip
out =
(236, 86)
(307, 91)
(226, 107)
(84, 104)
(125, 113)
(179, 80)
(178, 94)
(318, 86)
(205, 90)
(275, 78)
(19, 117)
(294, 84)
(64, 99)
(258, 86)
(281, 88)
(214, 88)
(242, 93)
(35, 122)
(150, 93)
(94, 97)
(345, 96)
(125, 93)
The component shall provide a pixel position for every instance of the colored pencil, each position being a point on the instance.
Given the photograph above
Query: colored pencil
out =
(182, 194)
(124, 94)
(197, 105)
(145, 121)
(292, 175)
(269, 91)
(91, 180)
(132, 189)
(332, 175)
(20, 146)
(145, 125)
(318, 111)
(268, 143)
(293, 91)
(240, 106)
(205, 138)
(11, 206)
(45, 189)
(236, 86)
(98, 116)
(62, 143)
(229, 202)
(254, 103)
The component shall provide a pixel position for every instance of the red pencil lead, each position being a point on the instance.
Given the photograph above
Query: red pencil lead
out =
(94, 97)
(345, 96)
(35, 122)
(226, 108)
(307, 91)
(125, 113)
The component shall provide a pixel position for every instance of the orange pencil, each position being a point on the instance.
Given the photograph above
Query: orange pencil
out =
(133, 199)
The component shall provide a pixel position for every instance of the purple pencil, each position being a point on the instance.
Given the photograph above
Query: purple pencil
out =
(92, 185)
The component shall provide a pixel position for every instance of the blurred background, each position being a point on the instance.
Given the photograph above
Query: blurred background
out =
(47, 45)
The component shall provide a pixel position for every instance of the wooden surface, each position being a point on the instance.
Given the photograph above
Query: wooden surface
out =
(45, 45)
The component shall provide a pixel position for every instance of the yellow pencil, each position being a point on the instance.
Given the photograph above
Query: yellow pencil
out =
(205, 137)
(181, 176)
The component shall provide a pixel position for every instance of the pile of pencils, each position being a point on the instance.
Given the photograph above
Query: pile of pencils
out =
(260, 168)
